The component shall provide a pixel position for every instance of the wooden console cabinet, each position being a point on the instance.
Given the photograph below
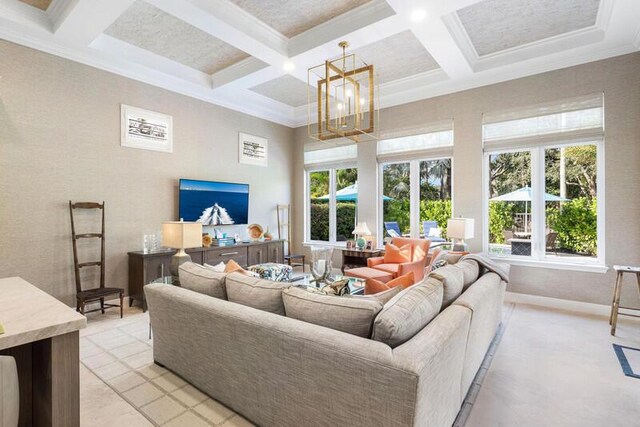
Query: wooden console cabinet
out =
(145, 268)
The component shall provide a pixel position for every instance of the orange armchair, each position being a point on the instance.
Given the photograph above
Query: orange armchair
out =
(419, 252)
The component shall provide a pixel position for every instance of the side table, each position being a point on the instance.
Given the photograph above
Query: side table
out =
(352, 258)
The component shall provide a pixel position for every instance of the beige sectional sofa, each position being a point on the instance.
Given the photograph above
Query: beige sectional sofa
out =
(279, 371)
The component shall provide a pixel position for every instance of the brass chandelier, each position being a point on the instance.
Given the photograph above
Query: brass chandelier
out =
(343, 99)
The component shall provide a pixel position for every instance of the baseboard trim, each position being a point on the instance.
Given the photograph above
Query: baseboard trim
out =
(557, 303)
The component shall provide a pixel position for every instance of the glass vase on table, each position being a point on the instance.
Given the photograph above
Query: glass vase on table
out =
(321, 264)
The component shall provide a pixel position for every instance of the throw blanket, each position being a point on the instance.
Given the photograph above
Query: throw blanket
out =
(501, 270)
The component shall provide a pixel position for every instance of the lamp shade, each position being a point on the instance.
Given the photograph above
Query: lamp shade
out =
(181, 235)
(460, 228)
(362, 229)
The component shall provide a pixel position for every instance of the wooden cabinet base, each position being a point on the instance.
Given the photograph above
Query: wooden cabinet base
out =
(49, 379)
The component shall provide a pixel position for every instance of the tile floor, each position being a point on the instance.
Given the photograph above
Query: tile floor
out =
(120, 384)
(551, 368)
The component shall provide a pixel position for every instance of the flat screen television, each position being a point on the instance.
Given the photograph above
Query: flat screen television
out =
(214, 203)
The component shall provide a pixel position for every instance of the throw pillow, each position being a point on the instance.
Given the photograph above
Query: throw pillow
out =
(233, 267)
(264, 295)
(218, 267)
(408, 312)
(352, 315)
(373, 286)
(199, 278)
(397, 255)
(453, 281)
(435, 232)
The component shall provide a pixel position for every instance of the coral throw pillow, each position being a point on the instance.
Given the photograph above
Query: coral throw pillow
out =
(233, 266)
(373, 286)
(397, 255)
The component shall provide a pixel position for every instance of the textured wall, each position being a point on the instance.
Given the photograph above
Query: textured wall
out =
(617, 78)
(60, 140)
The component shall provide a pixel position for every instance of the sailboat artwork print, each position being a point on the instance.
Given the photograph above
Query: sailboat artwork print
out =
(214, 203)
(145, 129)
(252, 150)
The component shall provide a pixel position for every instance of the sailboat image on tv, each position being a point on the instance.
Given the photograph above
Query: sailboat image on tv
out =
(215, 215)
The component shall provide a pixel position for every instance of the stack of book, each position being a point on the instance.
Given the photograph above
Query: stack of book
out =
(223, 241)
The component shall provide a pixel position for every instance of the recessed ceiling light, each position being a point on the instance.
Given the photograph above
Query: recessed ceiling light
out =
(289, 66)
(418, 15)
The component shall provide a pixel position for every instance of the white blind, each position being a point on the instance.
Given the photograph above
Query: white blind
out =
(577, 120)
(429, 143)
(324, 156)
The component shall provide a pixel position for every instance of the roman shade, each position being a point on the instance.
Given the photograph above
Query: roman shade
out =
(435, 140)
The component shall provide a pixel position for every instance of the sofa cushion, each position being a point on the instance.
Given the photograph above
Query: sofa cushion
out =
(384, 296)
(453, 281)
(408, 312)
(254, 292)
(353, 315)
(470, 271)
(199, 278)
(397, 255)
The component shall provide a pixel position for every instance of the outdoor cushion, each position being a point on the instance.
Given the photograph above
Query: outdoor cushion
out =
(254, 292)
(408, 312)
(389, 268)
(199, 278)
(395, 254)
(369, 273)
(353, 315)
(453, 281)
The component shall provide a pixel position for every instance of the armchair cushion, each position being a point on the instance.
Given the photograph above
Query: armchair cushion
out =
(395, 254)
(389, 268)
(373, 261)
(419, 247)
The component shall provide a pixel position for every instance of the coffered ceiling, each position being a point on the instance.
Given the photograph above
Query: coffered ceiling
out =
(253, 55)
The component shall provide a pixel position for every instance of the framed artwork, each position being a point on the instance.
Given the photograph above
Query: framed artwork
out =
(146, 130)
(252, 150)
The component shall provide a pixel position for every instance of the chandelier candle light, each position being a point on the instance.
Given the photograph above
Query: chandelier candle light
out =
(342, 96)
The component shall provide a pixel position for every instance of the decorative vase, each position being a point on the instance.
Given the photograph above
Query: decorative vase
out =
(321, 264)
(361, 243)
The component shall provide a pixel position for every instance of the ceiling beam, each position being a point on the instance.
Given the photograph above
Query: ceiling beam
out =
(80, 22)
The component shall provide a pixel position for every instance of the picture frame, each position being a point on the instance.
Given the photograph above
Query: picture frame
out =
(253, 150)
(369, 245)
(145, 130)
(351, 244)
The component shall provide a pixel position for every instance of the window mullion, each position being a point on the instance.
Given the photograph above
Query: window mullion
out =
(332, 206)
(538, 221)
(414, 200)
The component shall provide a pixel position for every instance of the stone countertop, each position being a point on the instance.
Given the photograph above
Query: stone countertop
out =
(29, 314)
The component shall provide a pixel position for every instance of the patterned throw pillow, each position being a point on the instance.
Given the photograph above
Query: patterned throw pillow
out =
(438, 264)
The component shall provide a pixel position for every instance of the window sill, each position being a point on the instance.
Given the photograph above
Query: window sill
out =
(326, 244)
(592, 267)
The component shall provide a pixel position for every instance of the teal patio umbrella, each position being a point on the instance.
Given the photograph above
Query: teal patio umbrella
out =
(524, 195)
(348, 194)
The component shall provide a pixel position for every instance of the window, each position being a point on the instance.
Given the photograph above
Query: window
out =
(416, 184)
(332, 194)
(543, 184)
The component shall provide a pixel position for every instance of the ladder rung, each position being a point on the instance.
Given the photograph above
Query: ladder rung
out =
(88, 235)
(89, 264)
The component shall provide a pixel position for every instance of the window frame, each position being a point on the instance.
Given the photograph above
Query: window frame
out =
(332, 168)
(539, 257)
(414, 190)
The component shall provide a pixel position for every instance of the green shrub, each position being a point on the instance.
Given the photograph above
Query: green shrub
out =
(436, 210)
(576, 223)
(501, 216)
(346, 215)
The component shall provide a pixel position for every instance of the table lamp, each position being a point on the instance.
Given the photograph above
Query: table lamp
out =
(180, 235)
(459, 229)
(361, 230)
